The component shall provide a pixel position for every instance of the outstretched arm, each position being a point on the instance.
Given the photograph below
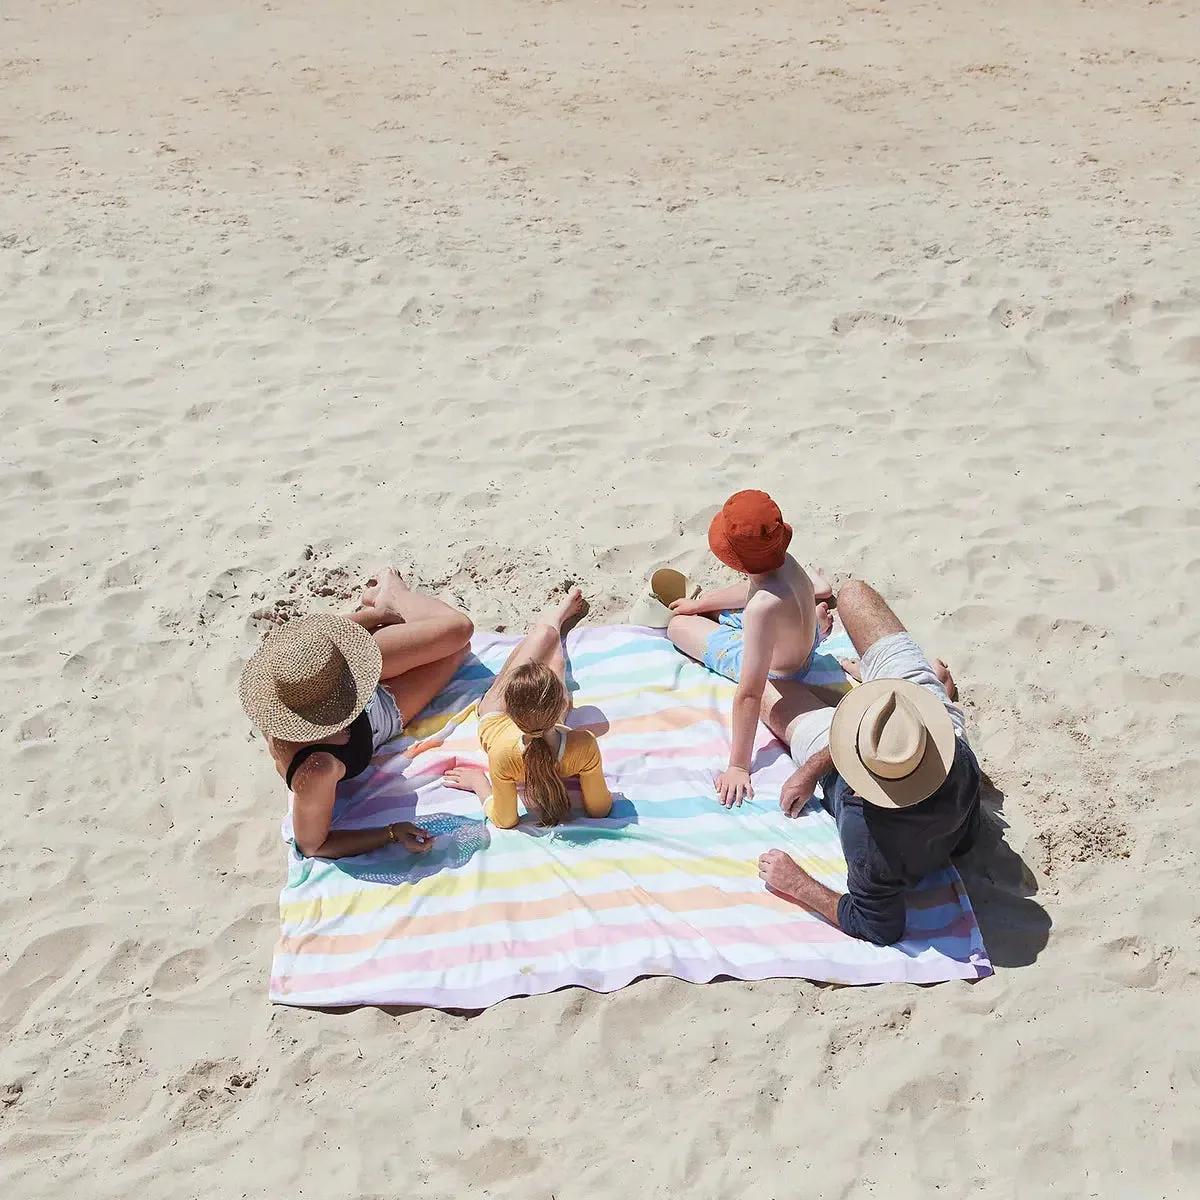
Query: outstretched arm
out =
(785, 877)
(497, 792)
(798, 790)
(734, 785)
(346, 843)
(314, 791)
(718, 600)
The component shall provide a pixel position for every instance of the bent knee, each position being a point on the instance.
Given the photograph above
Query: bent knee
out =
(681, 630)
(465, 628)
(854, 590)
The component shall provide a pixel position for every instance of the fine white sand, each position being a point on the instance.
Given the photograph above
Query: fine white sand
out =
(511, 293)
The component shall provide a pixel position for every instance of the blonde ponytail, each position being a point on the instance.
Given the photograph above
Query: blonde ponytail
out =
(536, 700)
(544, 788)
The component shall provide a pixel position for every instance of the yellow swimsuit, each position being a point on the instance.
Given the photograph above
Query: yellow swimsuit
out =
(578, 754)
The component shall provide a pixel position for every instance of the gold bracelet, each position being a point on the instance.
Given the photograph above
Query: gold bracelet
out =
(391, 833)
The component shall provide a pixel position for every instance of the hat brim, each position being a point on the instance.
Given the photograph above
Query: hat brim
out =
(668, 585)
(364, 663)
(934, 766)
(722, 548)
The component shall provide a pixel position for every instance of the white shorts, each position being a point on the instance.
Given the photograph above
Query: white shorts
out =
(810, 735)
(896, 656)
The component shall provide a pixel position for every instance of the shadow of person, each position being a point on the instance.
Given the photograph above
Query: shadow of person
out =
(583, 831)
(589, 717)
(456, 841)
(767, 755)
(470, 682)
(1015, 927)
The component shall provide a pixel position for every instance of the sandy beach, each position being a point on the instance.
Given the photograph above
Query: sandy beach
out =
(517, 293)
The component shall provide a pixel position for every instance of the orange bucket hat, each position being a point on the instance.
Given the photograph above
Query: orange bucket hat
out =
(749, 534)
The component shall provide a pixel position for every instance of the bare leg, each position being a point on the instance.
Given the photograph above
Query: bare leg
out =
(868, 618)
(393, 602)
(824, 620)
(865, 614)
(414, 689)
(783, 702)
(543, 643)
(412, 630)
(822, 589)
(691, 633)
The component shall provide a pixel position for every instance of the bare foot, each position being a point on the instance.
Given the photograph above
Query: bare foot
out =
(388, 594)
(943, 673)
(568, 609)
(824, 620)
(780, 872)
(822, 588)
(469, 779)
(852, 667)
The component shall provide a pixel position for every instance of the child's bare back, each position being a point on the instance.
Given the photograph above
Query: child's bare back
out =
(781, 607)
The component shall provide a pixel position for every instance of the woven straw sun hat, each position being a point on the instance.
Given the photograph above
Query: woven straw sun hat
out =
(892, 741)
(310, 678)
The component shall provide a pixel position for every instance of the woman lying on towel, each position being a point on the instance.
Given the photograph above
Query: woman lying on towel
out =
(520, 731)
(328, 691)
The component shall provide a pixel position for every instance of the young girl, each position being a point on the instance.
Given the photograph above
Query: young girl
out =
(521, 732)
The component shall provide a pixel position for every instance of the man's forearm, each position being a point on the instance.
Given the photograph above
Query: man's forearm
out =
(816, 897)
(819, 764)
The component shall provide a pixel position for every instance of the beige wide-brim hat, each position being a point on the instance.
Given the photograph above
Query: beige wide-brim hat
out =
(310, 678)
(666, 586)
(893, 742)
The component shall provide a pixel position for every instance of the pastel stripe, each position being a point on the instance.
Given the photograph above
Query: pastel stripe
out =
(666, 885)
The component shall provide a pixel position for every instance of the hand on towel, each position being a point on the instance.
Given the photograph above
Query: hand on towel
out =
(469, 779)
(795, 793)
(734, 786)
(412, 837)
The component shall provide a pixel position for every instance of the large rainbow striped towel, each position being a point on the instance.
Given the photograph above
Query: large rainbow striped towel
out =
(666, 885)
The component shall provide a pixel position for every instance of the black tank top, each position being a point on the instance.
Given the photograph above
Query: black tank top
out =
(355, 755)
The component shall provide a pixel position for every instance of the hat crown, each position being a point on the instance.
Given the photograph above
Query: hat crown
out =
(752, 515)
(892, 737)
(307, 667)
(749, 533)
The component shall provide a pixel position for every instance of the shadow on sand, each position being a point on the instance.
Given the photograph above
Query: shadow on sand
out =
(1015, 926)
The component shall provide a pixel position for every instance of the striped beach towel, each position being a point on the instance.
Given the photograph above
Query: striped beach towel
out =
(666, 885)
